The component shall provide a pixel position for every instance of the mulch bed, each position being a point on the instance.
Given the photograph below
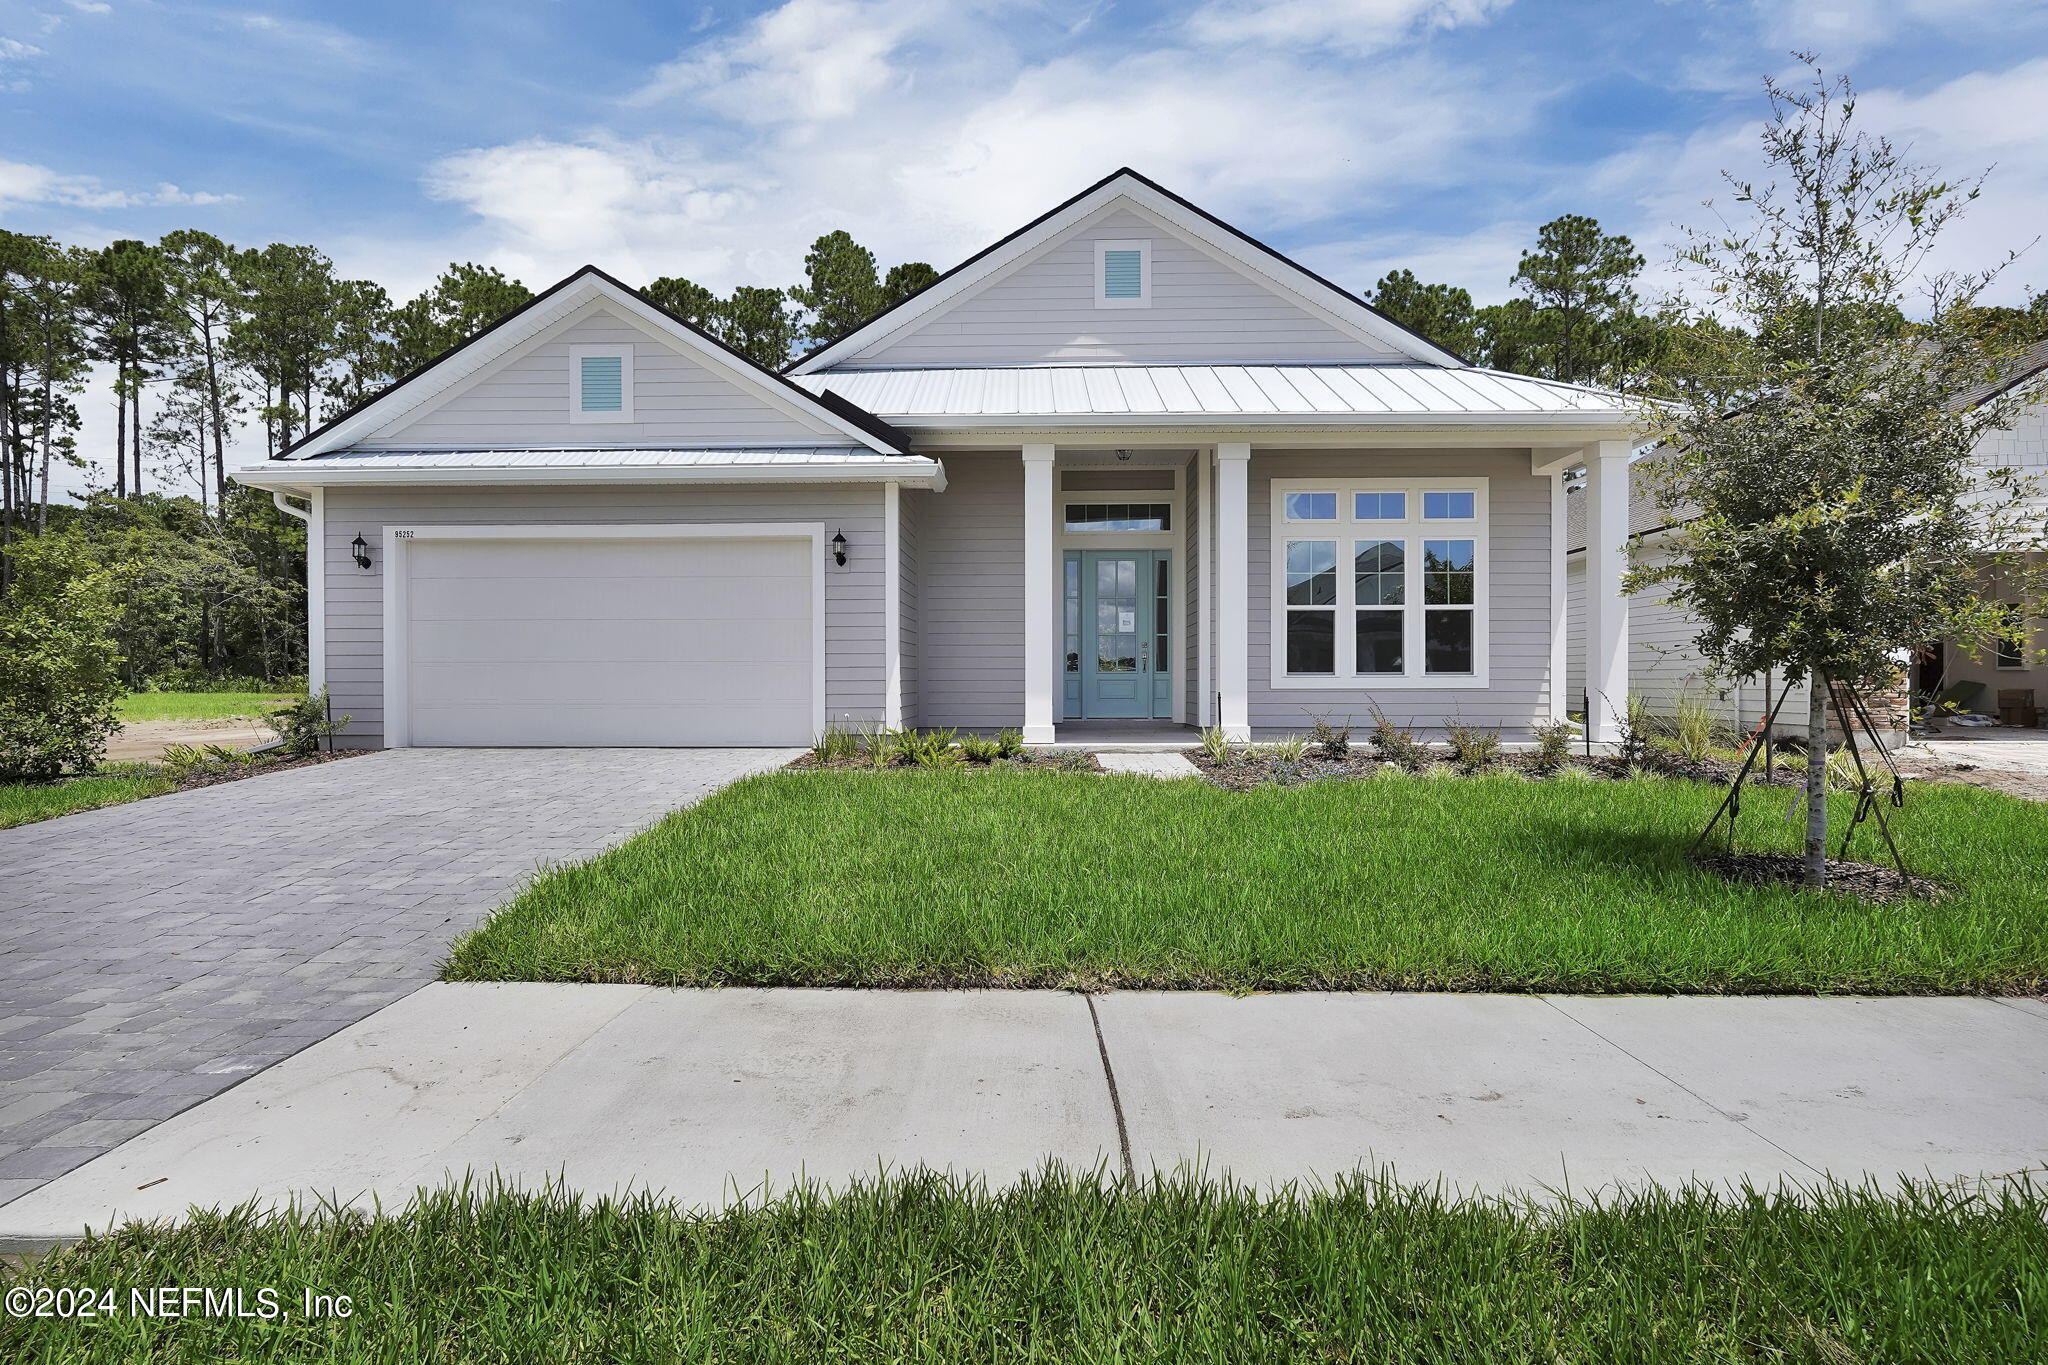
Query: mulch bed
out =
(1065, 761)
(212, 775)
(1245, 771)
(1869, 881)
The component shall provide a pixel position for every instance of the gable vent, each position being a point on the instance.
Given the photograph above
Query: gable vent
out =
(604, 383)
(1123, 274)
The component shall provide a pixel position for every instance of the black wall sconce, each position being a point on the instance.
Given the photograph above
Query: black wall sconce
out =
(839, 548)
(361, 550)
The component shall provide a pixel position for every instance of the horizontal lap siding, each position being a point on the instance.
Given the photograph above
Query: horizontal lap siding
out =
(971, 622)
(524, 401)
(1517, 696)
(1202, 312)
(355, 597)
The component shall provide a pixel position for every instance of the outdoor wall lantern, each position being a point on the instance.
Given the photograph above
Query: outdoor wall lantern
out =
(361, 549)
(839, 548)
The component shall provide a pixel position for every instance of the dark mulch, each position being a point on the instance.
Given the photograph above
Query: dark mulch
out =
(1065, 761)
(1868, 881)
(213, 774)
(1243, 771)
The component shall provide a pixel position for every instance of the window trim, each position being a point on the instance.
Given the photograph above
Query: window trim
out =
(1348, 531)
(1143, 247)
(577, 355)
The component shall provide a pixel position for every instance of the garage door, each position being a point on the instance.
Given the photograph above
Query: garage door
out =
(631, 641)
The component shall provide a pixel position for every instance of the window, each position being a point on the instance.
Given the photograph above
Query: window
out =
(1123, 274)
(600, 384)
(2012, 641)
(1119, 516)
(1447, 506)
(1378, 593)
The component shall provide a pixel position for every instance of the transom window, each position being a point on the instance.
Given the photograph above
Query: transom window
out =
(1119, 516)
(1379, 580)
(600, 383)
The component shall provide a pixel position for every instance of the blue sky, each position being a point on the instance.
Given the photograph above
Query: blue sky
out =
(716, 141)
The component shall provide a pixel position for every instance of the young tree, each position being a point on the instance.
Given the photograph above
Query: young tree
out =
(1441, 312)
(1580, 283)
(688, 300)
(465, 299)
(1832, 517)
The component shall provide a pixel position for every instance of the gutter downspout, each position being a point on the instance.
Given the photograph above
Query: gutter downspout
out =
(315, 518)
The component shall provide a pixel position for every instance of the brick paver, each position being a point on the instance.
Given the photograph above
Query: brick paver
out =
(154, 954)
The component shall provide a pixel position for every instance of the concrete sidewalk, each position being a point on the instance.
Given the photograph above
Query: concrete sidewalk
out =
(702, 1094)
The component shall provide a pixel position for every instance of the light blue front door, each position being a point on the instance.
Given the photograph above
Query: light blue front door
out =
(1120, 600)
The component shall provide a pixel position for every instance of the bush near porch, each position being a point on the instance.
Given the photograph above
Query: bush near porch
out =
(1008, 878)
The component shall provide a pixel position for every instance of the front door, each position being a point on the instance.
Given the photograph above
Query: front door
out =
(1122, 664)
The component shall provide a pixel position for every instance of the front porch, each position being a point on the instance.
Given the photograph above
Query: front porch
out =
(1124, 736)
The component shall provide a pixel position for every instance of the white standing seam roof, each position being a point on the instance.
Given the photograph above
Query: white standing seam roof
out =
(1311, 391)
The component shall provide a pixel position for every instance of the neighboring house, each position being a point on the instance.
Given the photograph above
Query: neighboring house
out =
(1125, 464)
(1664, 666)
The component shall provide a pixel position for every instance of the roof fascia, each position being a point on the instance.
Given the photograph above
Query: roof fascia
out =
(915, 471)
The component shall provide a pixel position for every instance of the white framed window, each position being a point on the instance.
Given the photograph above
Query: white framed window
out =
(601, 384)
(1123, 274)
(1379, 583)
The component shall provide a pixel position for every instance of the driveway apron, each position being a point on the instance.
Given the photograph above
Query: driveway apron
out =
(154, 954)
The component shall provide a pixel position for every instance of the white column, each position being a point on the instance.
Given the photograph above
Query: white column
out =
(1041, 598)
(1606, 609)
(892, 606)
(1233, 587)
(1205, 558)
(1560, 602)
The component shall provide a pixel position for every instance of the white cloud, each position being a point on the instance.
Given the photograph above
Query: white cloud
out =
(90, 6)
(1838, 30)
(15, 50)
(931, 135)
(1357, 26)
(23, 183)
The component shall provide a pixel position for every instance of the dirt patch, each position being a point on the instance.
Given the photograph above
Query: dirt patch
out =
(1866, 881)
(2029, 786)
(144, 741)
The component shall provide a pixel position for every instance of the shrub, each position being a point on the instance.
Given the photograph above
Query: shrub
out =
(1288, 750)
(60, 676)
(1473, 747)
(186, 760)
(1331, 741)
(976, 749)
(1396, 745)
(1554, 745)
(835, 745)
(1215, 747)
(1693, 728)
(931, 748)
(305, 723)
(1010, 743)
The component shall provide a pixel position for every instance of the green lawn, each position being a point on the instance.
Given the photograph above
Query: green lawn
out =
(23, 803)
(200, 705)
(1036, 879)
(922, 1268)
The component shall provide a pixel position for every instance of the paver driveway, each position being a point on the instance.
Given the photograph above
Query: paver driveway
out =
(154, 954)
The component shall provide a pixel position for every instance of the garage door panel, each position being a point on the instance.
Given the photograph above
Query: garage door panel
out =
(671, 597)
(513, 725)
(481, 642)
(598, 641)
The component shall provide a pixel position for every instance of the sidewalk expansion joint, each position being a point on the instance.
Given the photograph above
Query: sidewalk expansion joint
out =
(1116, 1103)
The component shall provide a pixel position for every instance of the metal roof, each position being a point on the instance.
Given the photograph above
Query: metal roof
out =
(1321, 392)
(594, 464)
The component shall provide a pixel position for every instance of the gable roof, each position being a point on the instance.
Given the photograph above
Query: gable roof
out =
(467, 358)
(2015, 370)
(1244, 250)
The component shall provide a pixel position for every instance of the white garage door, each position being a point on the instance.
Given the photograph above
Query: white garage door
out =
(630, 641)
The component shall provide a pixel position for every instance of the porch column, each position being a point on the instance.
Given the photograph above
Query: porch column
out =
(1607, 495)
(1041, 607)
(1233, 588)
(1560, 601)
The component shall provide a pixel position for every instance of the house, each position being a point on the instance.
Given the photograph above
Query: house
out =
(1664, 667)
(1127, 464)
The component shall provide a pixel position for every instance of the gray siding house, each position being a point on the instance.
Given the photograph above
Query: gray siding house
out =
(1127, 465)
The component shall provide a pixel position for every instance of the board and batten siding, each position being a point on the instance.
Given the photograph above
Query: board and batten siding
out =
(523, 400)
(355, 597)
(971, 622)
(1517, 696)
(1043, 311)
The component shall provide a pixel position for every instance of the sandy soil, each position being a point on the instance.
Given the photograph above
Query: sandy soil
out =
(143, 741)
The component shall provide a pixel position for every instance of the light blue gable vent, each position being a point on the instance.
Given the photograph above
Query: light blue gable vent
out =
(1123, 274)
(603, 386)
